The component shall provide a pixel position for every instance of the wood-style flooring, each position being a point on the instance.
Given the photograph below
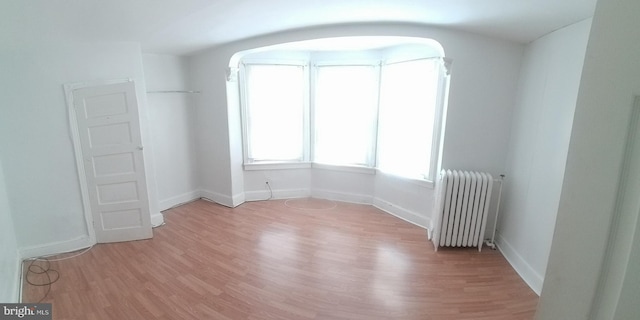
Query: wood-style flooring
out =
(296, 259)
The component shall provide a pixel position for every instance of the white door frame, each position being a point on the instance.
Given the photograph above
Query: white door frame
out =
(77, 147)
(624, 226)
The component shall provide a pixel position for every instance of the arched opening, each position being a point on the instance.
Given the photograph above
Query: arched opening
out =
(356, 119)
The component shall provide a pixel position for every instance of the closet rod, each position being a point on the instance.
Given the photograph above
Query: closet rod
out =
(174, 91)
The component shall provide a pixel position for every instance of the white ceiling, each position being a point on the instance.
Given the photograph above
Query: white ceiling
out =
(184, 26)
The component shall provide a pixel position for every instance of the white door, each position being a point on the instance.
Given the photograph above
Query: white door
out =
(109, 132)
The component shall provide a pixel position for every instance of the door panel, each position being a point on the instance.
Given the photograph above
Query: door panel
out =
(109, 131)
(113, 164)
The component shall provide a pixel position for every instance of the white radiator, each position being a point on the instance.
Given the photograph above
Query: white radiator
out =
(462, 206)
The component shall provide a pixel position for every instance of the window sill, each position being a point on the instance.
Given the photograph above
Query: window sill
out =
(276, 165)
(344, 168)
(416, 181)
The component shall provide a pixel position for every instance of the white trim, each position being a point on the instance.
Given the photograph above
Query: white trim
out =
(177, 200)
(344, 168)
(418, 182)
(244, 106)
(439, 120)
(223, 199)
(402, 213)
(157, 219)
(218, 198)
(261, 195)
(389, 61)
(342, 196)
(292, 193)
(619, 249)
(238, 199)
(346, 63)
(276, 165)
(520, 265)
(441, 113)
(277, 62)
(55, 247)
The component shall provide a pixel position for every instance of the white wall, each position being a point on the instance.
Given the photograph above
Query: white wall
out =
(342, 185)
(284, 184)
(9, 259)
(39, 162)
(408, 199)
(627, 306)
(483, 87)
(541, 127)
(172, 124)
(214, 157)
(610, 81)
(482, 91)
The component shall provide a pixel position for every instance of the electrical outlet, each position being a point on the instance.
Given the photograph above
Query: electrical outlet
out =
(266, 183)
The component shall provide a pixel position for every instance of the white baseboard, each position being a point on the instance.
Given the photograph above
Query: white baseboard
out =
(291, 193)
(261, 195)
(219, 198)
(257, 195)
(238, 199)
(55, 248)
(157, 219)
(520, 265)
(179, 199)
(402, 213)
(342, 196)
(225, 200)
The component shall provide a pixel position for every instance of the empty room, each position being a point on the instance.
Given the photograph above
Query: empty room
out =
(202, 159)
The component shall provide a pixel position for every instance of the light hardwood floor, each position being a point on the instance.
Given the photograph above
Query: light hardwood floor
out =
(301, 259)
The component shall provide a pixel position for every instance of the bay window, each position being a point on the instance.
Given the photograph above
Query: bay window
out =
(376, 115)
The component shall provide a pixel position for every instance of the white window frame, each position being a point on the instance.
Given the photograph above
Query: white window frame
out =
(439, 117)
(250, 164)
(372, 156)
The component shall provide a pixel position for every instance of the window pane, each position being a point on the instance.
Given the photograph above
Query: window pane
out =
(345, 114)
(275, 112)
(408, 96)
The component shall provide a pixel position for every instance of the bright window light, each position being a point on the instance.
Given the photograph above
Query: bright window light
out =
(382, 116)
(408, 98)
(345, 114)
(275, 112)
